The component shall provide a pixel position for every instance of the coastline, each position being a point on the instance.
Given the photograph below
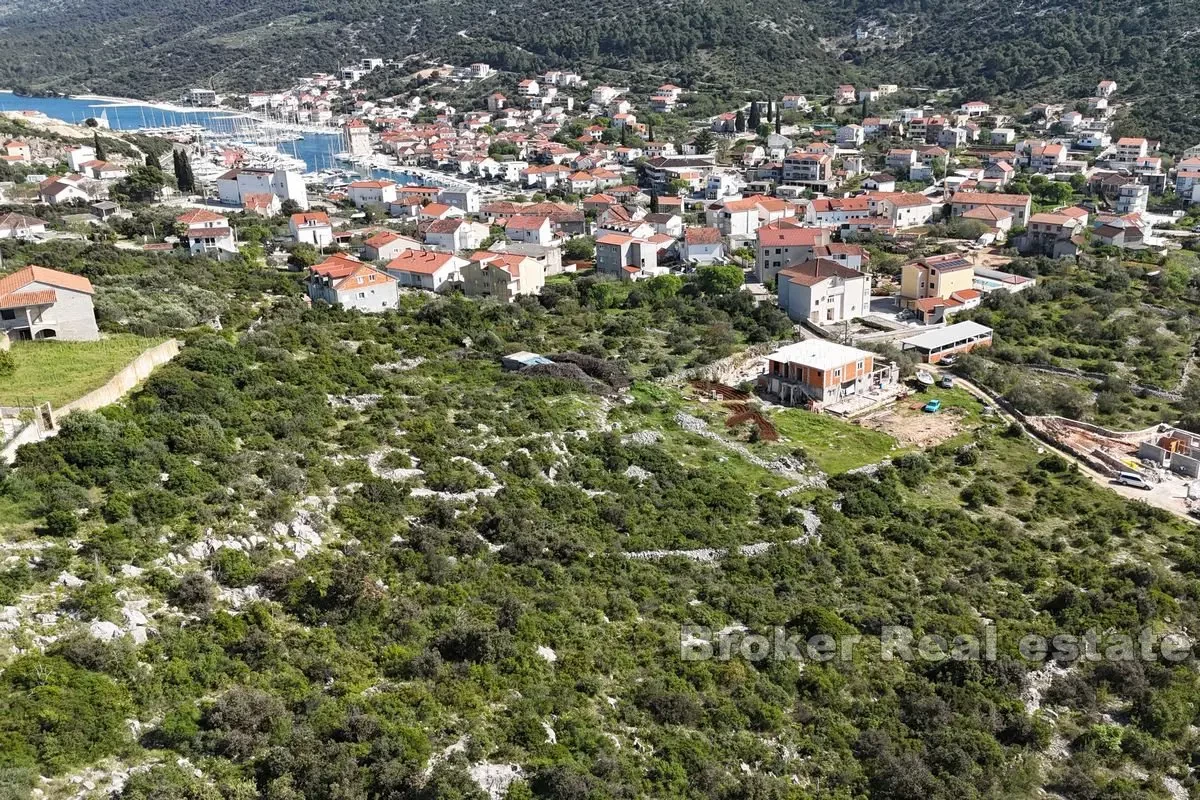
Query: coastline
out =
(105, 101)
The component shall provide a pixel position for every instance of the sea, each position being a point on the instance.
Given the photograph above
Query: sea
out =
(315, 149)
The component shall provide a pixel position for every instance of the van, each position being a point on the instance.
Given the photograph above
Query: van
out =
(1134, 480)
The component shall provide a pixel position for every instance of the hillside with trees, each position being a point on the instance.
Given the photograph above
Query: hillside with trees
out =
(322, 554)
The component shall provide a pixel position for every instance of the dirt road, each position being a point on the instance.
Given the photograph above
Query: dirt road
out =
(1169, 496)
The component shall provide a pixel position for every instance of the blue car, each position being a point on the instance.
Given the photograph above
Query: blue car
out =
(933, 406)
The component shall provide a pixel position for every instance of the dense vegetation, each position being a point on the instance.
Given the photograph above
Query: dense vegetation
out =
(463, 593)
(1104, 340)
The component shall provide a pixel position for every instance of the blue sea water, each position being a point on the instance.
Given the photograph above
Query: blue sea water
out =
(316, 149)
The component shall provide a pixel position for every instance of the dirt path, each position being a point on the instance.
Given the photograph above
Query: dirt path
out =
(1128, 492)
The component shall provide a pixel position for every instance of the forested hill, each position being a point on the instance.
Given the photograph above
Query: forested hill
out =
(138, 47)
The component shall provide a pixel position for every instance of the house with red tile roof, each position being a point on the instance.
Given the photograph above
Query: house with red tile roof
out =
(354, 285)
(823, 292)
(386, 245)
(456, 234)
(432, 270)
(1018, 205)
(264, 204)
(435, 211)
(311, 227)
(703, 245)
(529, 229)
(502, 276)
(786, 242)
(20, 226)
(629, 258)
(207, 233)
(39, 303)
(372, 192)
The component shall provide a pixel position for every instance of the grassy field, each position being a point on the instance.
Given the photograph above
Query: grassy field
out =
(836, 446)
(59, 372)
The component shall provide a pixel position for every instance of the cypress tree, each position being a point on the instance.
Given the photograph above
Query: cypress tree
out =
(755, 116)
(779, 123)
(183, 172)
(653, 201)
(739, 122)
(101, 155)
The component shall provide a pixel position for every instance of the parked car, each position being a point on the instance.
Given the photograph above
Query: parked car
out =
(1134, 480)
(933, 406)
(947, 382)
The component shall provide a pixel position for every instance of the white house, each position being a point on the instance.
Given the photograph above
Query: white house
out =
(703, 245)
(40, 303)
(80, 155)
(347, 282)
(529, 229)
(311, 227)
(823, 292)
(20, 226)
(236, 185)
(456, 234)
(386, 245)
(373, 192)
(207, 233)
(67, 189)
(427, 269)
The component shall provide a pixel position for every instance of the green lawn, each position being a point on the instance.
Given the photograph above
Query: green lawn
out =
(59, 372)
(835, 445)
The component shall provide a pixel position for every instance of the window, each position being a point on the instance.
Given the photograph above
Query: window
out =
(8, 313)
(859, 365)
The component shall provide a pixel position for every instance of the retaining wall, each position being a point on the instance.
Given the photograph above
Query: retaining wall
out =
(124, 381)
(134, 373)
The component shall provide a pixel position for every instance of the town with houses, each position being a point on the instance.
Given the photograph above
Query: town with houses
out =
(554, 175)
(879, 234)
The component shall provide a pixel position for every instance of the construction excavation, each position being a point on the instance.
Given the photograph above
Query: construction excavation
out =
(1160, 464)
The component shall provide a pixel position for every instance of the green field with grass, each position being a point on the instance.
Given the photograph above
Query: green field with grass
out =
(835, 445)
(59, 372)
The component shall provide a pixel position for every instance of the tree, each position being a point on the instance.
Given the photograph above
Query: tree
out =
(703, 142)
(143, 184)
(779, 124)
(8, 364)
(184, 178)
(770, 110)
(755, 115)
(303, 256)
(580, 248)
(763, 131)
(720, 278)
(739, 122)
(502, 149)
(98, 146)
(624, 135)
(653, 210)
